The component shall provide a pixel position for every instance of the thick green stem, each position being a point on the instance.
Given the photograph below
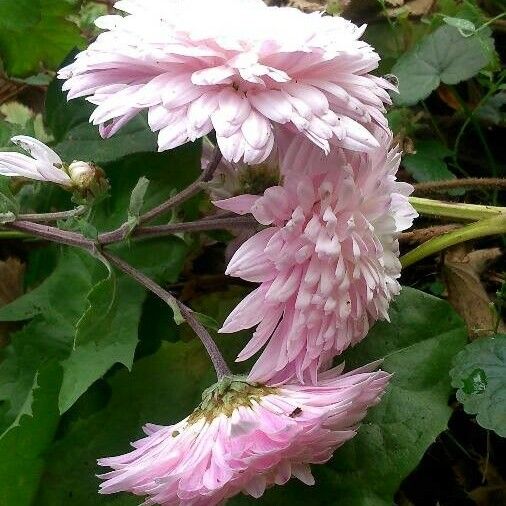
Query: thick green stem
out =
(466, 212)
(483, 228)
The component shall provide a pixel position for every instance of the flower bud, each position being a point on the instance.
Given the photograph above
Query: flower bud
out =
(82, 174)
(87, 179)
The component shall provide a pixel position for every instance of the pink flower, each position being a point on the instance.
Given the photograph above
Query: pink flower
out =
(244, 438)
(327, 263)
(236, 66)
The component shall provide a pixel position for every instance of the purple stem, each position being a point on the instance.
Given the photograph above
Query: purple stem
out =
(214, 353)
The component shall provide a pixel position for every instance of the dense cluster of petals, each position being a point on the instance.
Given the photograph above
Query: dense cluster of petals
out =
(245, 439)
(327, 262)
(239, 67)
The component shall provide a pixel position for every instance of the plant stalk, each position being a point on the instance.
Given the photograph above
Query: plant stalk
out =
(214, 353)
(489, 226)
(466, 212)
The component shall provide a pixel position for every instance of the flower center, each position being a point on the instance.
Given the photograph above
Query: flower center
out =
(227, 395)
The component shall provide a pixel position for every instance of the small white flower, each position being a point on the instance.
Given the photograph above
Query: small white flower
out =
(44, 164)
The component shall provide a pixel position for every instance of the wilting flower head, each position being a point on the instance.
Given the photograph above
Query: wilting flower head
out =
(245, 437)
(44, 164)
(236, 66)
(327, 263)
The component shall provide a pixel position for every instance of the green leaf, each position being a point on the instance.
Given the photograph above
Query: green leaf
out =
(8, 203)
(165, 387)
(465, 27)
(101, 344)
(137, 197)
(443, 56)
(137, 202)
(83, 142)
(23, 448)
(480, 376)
(493, 110)
(428, 163)
(54, 308)
(162, 388)
(35, 33)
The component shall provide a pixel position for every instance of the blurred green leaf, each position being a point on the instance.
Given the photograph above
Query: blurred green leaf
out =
(493, 110)
(480, 376)
(35, 33)
(465, 27)
(137, 202)
(443, 56)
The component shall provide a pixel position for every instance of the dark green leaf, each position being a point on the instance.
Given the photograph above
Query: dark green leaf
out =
(480, 376)
(23, 448)
(443, 56)
(98, 346)
(54, 307)
(162, 388)
(428, 163)
(35, 33)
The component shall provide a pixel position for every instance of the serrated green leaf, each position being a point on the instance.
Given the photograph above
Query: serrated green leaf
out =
(480, 377)
(35, 33)
(109, 341)
(53, 308)
(23, 448)
(443, 56)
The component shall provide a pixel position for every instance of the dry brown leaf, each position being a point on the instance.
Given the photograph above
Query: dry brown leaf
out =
(466, 293)
(9, 89)
(303, 5)
(413, 7)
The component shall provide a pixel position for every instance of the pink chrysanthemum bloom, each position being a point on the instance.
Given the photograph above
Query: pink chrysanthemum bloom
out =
(327, 262)
(236, 66)
(244, 438)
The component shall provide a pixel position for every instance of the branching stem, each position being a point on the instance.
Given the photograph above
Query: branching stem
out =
(214, 353)
(483, 228)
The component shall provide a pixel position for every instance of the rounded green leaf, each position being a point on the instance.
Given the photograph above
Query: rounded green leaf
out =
(480, 376)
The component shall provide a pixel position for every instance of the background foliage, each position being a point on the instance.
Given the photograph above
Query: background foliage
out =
(87, 357)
